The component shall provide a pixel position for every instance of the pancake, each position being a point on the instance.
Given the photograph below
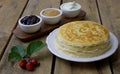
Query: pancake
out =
(82, 39)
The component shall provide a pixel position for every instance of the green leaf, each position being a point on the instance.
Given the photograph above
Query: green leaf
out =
(34, 46)
(19, 50)
(14, 56)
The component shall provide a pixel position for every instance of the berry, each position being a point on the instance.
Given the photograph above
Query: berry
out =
(29, 20)
(30, 66)
(22, 64)
(34, 61)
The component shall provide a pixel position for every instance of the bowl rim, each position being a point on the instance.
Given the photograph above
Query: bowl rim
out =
(62, 7)
(42, 15)
(19, 21)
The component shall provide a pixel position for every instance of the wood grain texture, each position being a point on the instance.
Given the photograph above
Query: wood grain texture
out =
(100, 67)
(10, 10)
(110, 16)
(43, 56)
(109, 13)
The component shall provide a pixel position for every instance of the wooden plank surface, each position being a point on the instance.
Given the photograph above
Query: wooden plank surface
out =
(43, 56)
(103, 11)
(67, 67)
(10, 10)
(110, 16)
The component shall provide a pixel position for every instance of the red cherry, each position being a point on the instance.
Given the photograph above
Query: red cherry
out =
(34, 61)
(22, 64)
(30, 66)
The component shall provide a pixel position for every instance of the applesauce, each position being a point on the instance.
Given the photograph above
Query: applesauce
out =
(51, 12)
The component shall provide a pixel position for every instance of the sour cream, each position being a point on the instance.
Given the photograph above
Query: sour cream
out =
(71, 6)
(70, 9)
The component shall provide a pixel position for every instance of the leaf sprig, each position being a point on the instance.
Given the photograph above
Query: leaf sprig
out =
(18, 52)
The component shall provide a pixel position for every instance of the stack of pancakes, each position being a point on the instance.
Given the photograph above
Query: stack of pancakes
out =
(82, 39)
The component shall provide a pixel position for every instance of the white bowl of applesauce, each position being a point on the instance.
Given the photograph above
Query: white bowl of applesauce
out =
(51, 15)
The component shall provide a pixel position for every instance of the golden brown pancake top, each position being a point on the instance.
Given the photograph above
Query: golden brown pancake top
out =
(83, 32)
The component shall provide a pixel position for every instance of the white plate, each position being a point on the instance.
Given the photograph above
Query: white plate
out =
(51, 47)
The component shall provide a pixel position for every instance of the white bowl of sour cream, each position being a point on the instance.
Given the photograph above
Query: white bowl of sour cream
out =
(70, 9)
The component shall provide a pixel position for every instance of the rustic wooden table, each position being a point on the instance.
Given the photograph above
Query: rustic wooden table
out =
(105, 12)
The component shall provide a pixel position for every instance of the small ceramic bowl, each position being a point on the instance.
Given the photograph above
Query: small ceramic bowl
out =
(32, 27)
(50, 18)
(69, 12)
